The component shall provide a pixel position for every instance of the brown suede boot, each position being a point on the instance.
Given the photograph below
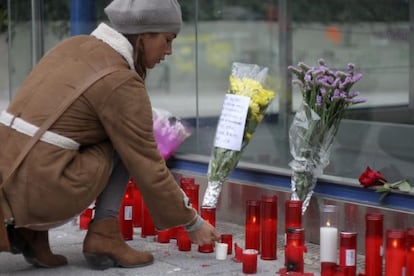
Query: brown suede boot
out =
(37, 250)
(4, 237)
(105, 247)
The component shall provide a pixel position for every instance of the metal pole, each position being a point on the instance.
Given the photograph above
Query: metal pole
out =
(82, 16)
(285, 59)
(411, 67)
(37, 31)
(196, 13)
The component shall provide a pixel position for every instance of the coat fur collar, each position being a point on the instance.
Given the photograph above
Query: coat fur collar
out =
(117, 41)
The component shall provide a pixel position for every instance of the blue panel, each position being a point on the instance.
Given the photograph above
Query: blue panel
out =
(358, 195)
(82, 16)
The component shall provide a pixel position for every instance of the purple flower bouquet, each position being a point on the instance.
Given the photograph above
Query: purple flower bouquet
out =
(326, 95)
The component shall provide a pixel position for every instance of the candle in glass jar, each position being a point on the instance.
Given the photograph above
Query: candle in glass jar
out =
(238, 253)
(184, 181)
(328, 238)
(347, 253)
(208, 214)
(192, 191)
(183, 240)
(125, 213)
(85, 218)
(293, 214)
(410, 252)
(249, 261)
(395, 252)
(294, 250)
(136, 206)
(228, 239)
(268, 230)
(252, 225)
(148, 227)
(163, 236)
(374, 244)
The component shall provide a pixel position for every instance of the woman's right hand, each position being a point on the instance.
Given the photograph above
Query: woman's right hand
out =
(207, 234)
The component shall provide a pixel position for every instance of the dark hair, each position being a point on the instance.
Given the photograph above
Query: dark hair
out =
(138, 48)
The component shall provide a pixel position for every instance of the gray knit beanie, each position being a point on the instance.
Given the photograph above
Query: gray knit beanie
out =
(145, 16)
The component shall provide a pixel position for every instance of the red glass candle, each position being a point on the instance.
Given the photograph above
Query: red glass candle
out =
(249, 261)
(268, 230)
(85, 218)
(125, 214)
(339, 271)
(374, 244)
(192, 191)
(183, 240)
(228, 239)
(147, 228)
(184, 243)
(294, 250)
(163, 236)
(238, 253)
(186, 181)
(252, 225)
(208, 214)
(328, 269)
(395, 252)
(410, 252)
(136, 206)
(293, 214)
(348, 252)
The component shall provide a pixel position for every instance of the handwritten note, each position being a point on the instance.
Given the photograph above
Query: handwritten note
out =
(230, 128)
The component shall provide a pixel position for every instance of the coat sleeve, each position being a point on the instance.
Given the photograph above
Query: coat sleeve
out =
(127, 119)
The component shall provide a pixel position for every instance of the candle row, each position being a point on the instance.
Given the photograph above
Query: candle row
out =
(261, 226)
(399, 247)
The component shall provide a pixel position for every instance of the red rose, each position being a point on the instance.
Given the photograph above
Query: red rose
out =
(371, 178)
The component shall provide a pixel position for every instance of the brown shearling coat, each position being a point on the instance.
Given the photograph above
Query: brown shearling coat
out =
(53, 184)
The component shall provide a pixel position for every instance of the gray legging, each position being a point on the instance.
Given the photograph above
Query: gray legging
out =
(109, 201)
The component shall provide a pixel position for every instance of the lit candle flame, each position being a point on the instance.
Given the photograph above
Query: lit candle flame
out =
(328, 223)
(394, 243)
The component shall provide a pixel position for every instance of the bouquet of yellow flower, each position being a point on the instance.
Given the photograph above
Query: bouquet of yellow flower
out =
(326, 95)
(243, 109)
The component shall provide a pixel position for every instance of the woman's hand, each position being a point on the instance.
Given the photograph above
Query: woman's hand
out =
(207, 234)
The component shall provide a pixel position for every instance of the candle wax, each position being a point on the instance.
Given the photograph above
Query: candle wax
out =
(221, 250)
(328, 244)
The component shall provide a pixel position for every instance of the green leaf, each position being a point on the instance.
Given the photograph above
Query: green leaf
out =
(382, 189)
(395, 185)
(404, 186)
(388, 185)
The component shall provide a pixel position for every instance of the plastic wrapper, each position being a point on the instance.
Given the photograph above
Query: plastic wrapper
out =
(326, 95)
(310, 148)
(243, 109)
(169, 131)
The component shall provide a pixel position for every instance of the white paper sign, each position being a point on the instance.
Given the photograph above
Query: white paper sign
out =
(232, 121)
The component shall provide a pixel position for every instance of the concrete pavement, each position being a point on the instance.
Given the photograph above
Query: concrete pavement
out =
(67, 240)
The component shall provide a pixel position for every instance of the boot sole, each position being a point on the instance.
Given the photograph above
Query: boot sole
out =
(35, 262)
(102, 261)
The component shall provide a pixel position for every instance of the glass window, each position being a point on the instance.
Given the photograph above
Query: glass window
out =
(374, 35)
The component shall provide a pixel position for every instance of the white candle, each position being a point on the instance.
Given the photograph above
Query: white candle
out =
(328, 244)
(221, 250)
